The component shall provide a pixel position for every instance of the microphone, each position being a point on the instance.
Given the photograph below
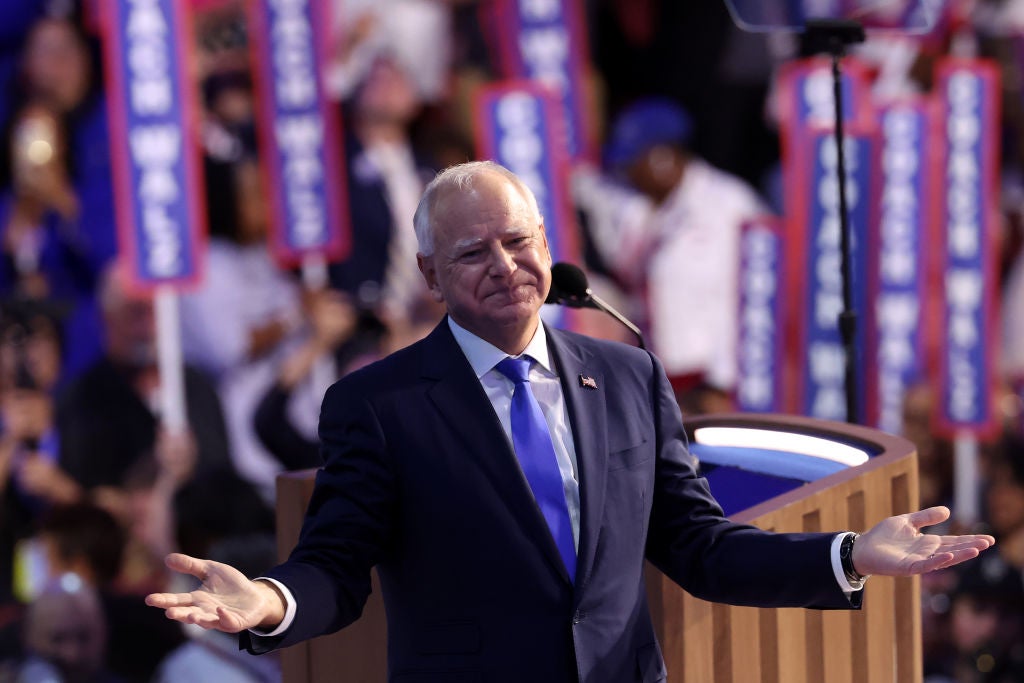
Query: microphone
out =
(569, 288)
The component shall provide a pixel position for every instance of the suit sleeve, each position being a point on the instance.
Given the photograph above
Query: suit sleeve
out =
(348, 524)
(692, 542)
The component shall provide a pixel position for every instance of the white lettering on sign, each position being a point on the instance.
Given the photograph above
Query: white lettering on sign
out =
(898, 306)
(154, 146)
(546, 51)
(818, 97)
(759, 283)
(298, 124)
(300, 138)
(520, 147)
(540, 10)
(545, 47)
(964, 278)
(148, 57)
(291, 46)
(826, 359)
(156, 150)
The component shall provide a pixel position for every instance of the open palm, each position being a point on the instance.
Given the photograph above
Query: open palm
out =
(226, 601)
(896, 546)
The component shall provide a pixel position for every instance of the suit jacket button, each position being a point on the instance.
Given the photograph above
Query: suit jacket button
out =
(577, 618)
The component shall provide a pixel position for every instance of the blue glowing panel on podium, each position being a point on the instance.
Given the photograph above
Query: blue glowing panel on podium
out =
(747, 466)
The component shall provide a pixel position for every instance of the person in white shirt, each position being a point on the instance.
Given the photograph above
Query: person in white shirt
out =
(671, 233)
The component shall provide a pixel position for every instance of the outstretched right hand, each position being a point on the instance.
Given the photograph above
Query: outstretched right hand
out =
(226, 601)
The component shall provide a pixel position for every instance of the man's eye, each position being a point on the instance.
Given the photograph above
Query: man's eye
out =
(471, 254)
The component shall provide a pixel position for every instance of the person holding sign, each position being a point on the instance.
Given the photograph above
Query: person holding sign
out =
(508, 481)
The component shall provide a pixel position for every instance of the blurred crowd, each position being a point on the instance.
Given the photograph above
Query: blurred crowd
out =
(95, 490)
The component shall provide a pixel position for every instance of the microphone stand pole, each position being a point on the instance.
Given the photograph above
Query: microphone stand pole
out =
(833, 36)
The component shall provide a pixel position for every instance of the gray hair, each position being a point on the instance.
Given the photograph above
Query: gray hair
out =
(459, 178)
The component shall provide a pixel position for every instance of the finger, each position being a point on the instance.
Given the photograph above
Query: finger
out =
(975, 539)
(928, 516)
(954, 558)
(932, 563)
(165, 600)
(977, 544)
(186, 615)
(229, 622)
(942, 560)
(214, 620)
(188, 565)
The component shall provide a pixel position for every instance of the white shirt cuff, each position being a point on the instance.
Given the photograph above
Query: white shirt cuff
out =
(289, 610)
(837, 567)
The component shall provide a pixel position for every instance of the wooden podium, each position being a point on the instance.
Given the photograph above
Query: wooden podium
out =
(711, 643)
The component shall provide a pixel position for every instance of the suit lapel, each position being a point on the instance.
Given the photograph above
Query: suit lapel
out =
(464, 406)
(587, 415)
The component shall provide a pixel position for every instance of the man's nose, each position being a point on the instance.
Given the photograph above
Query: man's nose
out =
(502, 262)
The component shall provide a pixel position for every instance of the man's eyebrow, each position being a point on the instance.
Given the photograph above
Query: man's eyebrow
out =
(459, 245)
(469, 242)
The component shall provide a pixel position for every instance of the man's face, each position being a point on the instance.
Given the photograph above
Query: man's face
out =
(56, 64)
(130, 324)
(491, 265)
(388, 94)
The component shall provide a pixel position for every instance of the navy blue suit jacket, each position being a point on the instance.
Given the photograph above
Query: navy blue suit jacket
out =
(421, 482)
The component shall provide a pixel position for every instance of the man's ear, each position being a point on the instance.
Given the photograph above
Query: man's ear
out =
(429, 271)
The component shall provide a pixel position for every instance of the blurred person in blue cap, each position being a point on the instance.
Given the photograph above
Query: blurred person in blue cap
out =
(667, 225)
(642, 132)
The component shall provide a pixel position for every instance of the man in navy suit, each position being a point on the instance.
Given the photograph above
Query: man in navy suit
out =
(483, 578)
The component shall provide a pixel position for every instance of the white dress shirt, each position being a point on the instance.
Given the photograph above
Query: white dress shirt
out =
(483, 356)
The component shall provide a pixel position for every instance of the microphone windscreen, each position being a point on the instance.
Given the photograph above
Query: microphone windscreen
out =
(554, 295)
(569, 280)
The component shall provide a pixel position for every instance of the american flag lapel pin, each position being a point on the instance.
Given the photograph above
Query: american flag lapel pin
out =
(587, 382)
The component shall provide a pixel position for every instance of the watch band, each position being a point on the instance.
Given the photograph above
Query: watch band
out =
(846, 557)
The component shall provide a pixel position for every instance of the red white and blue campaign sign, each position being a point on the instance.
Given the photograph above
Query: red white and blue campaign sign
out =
(820, 300)
(806, 94)
(761, 316)
(896, 354)
(154, 147)
(806, 103)
(968, 98)
(806, 110)
(517, 126)
(299, 130)
(545, 41)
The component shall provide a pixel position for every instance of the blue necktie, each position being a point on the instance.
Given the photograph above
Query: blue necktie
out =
(536, 452)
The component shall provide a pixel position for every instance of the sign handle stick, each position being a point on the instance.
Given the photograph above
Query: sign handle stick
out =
(314, 278)
(314, 272)
(965, 479)
(169, 360)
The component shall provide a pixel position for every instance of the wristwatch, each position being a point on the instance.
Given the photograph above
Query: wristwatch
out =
(846, 557)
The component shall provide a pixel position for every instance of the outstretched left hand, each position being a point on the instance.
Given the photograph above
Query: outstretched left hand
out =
(896, 546)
